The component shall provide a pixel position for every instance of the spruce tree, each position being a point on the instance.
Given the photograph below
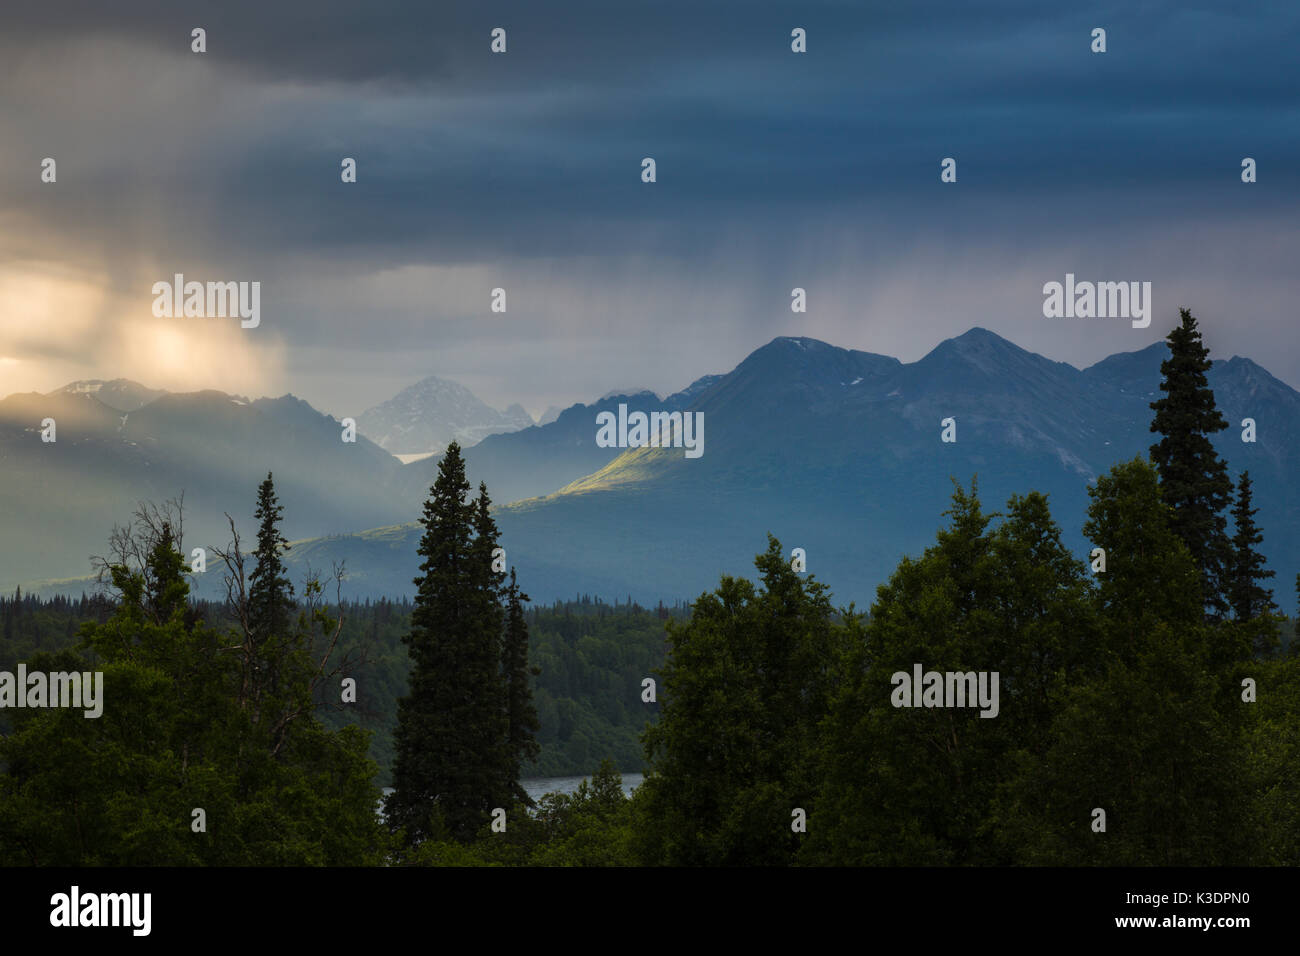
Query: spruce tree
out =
(1248, 599)
(1193, 478)
(449, 742)
(270, 602)
(270, 597)
(521, 715)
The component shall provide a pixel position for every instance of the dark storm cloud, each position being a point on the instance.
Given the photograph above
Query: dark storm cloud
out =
(441, 42)
(771, 166)
(557, 127)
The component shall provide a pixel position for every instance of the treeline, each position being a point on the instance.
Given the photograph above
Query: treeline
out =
(29, 625)
(590, 658)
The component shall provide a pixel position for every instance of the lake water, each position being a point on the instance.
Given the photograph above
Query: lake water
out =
(535, 787)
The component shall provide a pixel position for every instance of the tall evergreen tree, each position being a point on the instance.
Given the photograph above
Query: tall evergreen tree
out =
(270, 603)
(1245, 595)
(270, 596)
(1193, 478)
(521, 715)
(449, 742)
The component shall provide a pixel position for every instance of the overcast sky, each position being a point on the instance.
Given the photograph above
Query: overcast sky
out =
(523, 170)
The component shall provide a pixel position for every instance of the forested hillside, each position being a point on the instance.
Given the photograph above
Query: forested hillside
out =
(590, 658)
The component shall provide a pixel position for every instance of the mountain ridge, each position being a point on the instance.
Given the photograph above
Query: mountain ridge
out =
(1012, 438)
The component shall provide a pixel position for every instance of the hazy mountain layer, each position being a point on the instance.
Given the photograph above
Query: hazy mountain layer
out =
(835, 451)
(59, 501)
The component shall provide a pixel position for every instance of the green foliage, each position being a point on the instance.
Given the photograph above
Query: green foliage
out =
(1149, 732)
(588, 659)
(593, 826)
(1274, 752)
(591, 658)
(742, 692)
(915, 786)
(1149, 742)
(177, 734)
(1150, 574)
(29, 625)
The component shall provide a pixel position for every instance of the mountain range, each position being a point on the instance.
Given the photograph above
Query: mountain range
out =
(832, 450)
